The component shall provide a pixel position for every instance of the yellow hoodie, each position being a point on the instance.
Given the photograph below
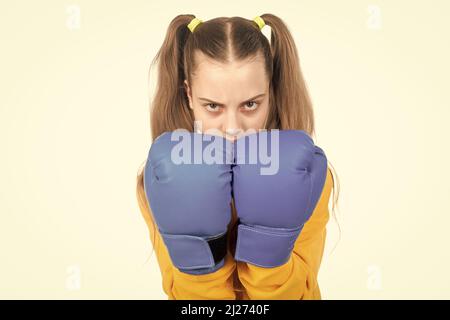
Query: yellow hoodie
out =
(296, 279)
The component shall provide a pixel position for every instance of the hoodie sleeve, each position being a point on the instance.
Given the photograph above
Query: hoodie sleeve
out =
(297, 278)
(181, 286)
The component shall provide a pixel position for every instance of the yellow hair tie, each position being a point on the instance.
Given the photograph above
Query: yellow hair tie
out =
(260, 22)
(194, 23)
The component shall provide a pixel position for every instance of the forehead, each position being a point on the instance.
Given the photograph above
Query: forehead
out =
(218, 80)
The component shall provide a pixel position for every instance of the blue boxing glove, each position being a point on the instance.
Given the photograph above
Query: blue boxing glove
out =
(189, 192)
(273, 206)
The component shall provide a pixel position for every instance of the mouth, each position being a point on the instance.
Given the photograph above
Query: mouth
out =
(233, 134)
(232, 138)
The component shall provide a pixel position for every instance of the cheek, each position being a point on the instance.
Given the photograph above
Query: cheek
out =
(257, 120)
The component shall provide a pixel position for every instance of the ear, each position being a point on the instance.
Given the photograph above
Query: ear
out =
(188, 93)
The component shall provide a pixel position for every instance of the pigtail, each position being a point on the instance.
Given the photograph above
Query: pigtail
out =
(170, 108)
(291, 99)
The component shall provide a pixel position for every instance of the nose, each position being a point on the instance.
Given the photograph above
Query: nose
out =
(232, 126)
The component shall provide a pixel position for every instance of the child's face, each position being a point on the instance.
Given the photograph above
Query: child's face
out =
(228, 91)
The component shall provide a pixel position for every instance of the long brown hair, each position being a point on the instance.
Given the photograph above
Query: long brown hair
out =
(224, 39)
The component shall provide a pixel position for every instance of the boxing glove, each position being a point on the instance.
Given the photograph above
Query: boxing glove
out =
(273, 204)
(189, 193)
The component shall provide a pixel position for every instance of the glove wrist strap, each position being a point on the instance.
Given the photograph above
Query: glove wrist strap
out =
(265, 246)
(196, 255)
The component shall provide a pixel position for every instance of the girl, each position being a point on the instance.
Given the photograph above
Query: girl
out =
(225, 74)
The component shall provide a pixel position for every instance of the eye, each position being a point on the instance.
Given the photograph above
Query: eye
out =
(212, 107)
(251, 105)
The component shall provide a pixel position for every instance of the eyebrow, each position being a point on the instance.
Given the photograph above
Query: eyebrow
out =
(215, 102)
